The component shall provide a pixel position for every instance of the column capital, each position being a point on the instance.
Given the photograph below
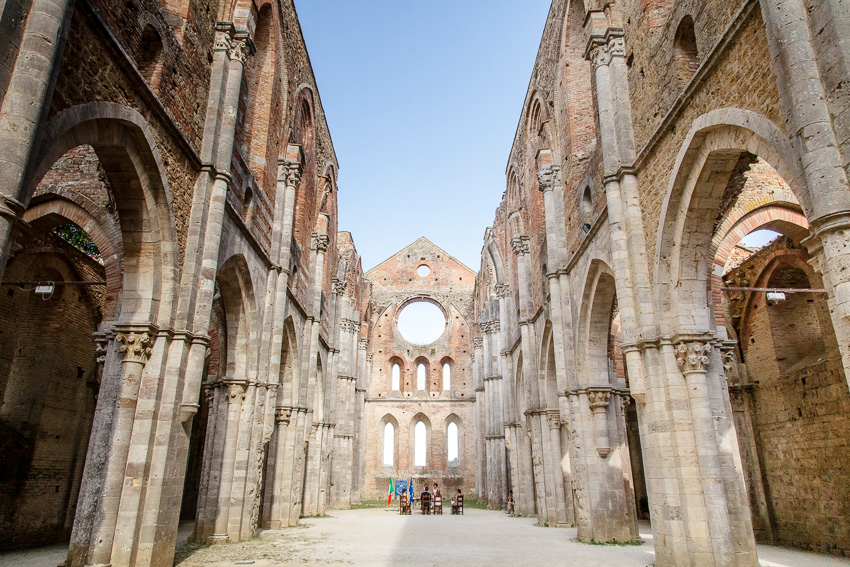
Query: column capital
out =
(692, 355)
(135, 344)
(553, 417)
(363, 344)
(241, 47)
(598, 398)
(548, 177)
(520, 245)
(320, 241)
(502, 290)
(282, 414)
(338, 286)
(292, 170)
(236, 389)
(478, 343)
(601, 52)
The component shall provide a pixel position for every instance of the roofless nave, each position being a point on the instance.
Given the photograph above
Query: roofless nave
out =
(212, 350)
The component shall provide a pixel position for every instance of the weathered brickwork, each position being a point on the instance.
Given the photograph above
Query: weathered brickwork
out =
(395, 285)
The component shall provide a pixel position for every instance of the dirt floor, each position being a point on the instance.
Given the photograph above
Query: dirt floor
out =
(379, 537)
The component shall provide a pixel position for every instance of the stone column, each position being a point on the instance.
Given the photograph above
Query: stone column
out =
(274, 488)
(481, 472)
(359, 464)
(135, 344)
(234, 391)
(23, 106)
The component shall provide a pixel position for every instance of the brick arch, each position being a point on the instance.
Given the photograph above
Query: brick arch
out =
(455, 419)
(127, 150)
(710, 152)
(789, 257)
(778, 217)
(576, 87)
(263, 99)
(47, 215)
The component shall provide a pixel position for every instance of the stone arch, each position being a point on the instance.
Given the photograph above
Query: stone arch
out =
(237, 295)
(594, 325)
(712, 147)
(547, 372)
(391, 420)
(416, 419)
(288, 377)
(127, 150)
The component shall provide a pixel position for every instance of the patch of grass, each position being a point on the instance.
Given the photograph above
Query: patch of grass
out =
(637, 541)
(366, 504)
(474, 503)
(316, 516)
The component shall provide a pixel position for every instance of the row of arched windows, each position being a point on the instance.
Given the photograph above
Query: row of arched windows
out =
(421, 376)
(420, 445)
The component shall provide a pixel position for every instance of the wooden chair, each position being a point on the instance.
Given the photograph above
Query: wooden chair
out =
(457, 507)
(426, 503)
(404, 505)
(438, 505)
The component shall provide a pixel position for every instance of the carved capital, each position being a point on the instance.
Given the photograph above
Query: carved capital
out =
(236, 390)
(338, 286)
(241, 48)
(136, 347)
(625, 401)
(554, 419)
(368, 357)
(692, 356)
(729, 361)
(478, 343)
(222, 39)
(502, 290)
(549, 177)
(293, 173)
(603, 53)
(321, 241)
(364, 344)
(520, 245)
(598, 400)
(282, 415)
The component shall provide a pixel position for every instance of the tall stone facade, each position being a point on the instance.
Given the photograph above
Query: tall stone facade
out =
(199, 357)
(635, 366)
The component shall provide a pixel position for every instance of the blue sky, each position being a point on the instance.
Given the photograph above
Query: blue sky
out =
(422, 100)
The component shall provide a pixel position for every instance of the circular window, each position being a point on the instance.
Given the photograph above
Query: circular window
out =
(421, 323)
(423, 271)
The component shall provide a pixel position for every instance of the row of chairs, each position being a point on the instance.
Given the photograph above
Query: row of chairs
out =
(428, 507)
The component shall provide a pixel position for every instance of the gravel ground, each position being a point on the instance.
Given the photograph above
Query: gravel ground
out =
(378, 537)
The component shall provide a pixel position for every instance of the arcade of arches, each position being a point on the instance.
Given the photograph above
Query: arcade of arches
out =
(186, 334)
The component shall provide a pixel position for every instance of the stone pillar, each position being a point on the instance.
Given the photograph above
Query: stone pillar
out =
(234, 392)
(359, 464)
(23, 106)
(135, 344)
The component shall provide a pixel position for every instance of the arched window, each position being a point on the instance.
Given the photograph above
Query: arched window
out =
(420, 440)
(421, 378)
(389, 445)
(396, 377)
(447, 376)
(453, 453)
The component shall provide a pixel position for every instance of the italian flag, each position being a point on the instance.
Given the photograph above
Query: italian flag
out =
(390, 493)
